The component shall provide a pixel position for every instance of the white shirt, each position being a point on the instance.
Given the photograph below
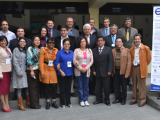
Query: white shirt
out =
(62, 41)
(9, 35)
(136, 54)
(88, 39)
(101, 49)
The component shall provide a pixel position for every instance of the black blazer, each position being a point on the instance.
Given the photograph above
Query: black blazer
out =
(55, 33)
(93, 40)
(108, 40)
(14, 42)
(102, 63)
(58, 42)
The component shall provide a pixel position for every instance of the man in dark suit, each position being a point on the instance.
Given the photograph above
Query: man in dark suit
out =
(92, 44)
(52, 32)
(102, 69)
(59, 46)
(20, 34)
(71, 31)
(13, 44)
(110, 41)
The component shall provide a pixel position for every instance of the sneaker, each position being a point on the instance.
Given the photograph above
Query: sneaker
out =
(82, 104)
(86, 103)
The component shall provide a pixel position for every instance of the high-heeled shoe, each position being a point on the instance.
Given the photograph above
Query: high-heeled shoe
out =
(10, 109)
(4, 109)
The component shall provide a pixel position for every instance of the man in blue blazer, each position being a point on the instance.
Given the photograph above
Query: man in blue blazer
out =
(52, 32)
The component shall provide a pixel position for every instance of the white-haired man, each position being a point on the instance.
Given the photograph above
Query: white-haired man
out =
(91, 44)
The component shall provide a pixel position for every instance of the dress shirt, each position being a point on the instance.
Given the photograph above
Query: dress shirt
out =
(88, 39)
(136, 54)
(62, 41)
(100, 48)
(92, 31)
(107, 31)
(63, 57)
(51, 32)
(113, 41)
(70, 32)
(9, 35)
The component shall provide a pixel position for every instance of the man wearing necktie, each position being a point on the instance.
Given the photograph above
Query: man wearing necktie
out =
(52, 32)
(128, 32)
(110, 41)
(106, 30)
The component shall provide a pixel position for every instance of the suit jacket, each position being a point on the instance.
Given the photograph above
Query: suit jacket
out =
(14, 42)
(56, 33)
(75, 32)
(58, 42)
(102, 63)
(93, 40)
(108, 40)
(101, 32)
(130, 43)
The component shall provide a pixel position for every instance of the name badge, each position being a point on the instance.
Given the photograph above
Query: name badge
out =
(127, 40)
(113, 45)
(50, 63)
(8, 61)
(69, 64)
(84, 62)
(135, 63)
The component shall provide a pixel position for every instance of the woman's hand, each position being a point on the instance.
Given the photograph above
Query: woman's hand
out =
(77, 63)
(63, 74)
(84, 70)
(32, 74)
(42, 76)
(1, 78)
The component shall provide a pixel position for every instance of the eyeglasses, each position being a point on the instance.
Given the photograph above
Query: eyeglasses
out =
(50, 42)
(66, 44)
(118, 41)
(22, 41)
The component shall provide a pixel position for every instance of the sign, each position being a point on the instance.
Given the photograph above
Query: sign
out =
(116, 10)
(155, 68)
(70, 9)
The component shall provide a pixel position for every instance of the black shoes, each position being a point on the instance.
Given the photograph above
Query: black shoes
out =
(116, 101)
(130, 84)
(55, 105)
(48, 105)
(107, 103)
(123, 102)
(97, 102)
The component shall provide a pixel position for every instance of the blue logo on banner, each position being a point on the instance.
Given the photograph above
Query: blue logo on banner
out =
(157, 11)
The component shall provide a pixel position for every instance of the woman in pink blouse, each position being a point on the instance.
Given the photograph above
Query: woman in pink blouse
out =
(82, 59)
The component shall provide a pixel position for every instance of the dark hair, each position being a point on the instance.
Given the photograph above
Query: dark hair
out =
(2, 38)
(100, 37)
(64, 26)
(25, 48)
(79, 42)
(67, 39)
(39, 32)
(4, 21)
(49, 20)
(119, 38)
(137, 34)
(20, 28)
(106, 18)
(33, 41)
(52, 39)
(127, 18)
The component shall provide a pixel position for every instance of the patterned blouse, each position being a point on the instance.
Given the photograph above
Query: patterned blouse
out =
(33, 58)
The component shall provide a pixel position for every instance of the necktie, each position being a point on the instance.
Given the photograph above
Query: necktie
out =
(127, 35)
(113, 39)
(88, 39)
(50, 32)
(100, 51)
(106, 32)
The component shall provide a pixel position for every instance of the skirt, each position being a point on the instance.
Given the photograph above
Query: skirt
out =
(5, 83)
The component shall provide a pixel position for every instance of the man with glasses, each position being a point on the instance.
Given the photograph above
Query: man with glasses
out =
(71, 31)
(93, 30)
(121, 70)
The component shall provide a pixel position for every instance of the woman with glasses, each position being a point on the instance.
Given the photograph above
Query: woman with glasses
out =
(19, 76)
(48, 73)
(63, 65)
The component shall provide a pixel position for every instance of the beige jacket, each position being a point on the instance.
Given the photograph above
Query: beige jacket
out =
(125, 61)
(3, 66)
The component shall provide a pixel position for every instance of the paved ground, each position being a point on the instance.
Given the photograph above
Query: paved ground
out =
(93, 112)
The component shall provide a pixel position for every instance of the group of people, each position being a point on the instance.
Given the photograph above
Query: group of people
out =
(49, 64)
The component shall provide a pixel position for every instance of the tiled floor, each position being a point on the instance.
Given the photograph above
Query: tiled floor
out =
(93, 112)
